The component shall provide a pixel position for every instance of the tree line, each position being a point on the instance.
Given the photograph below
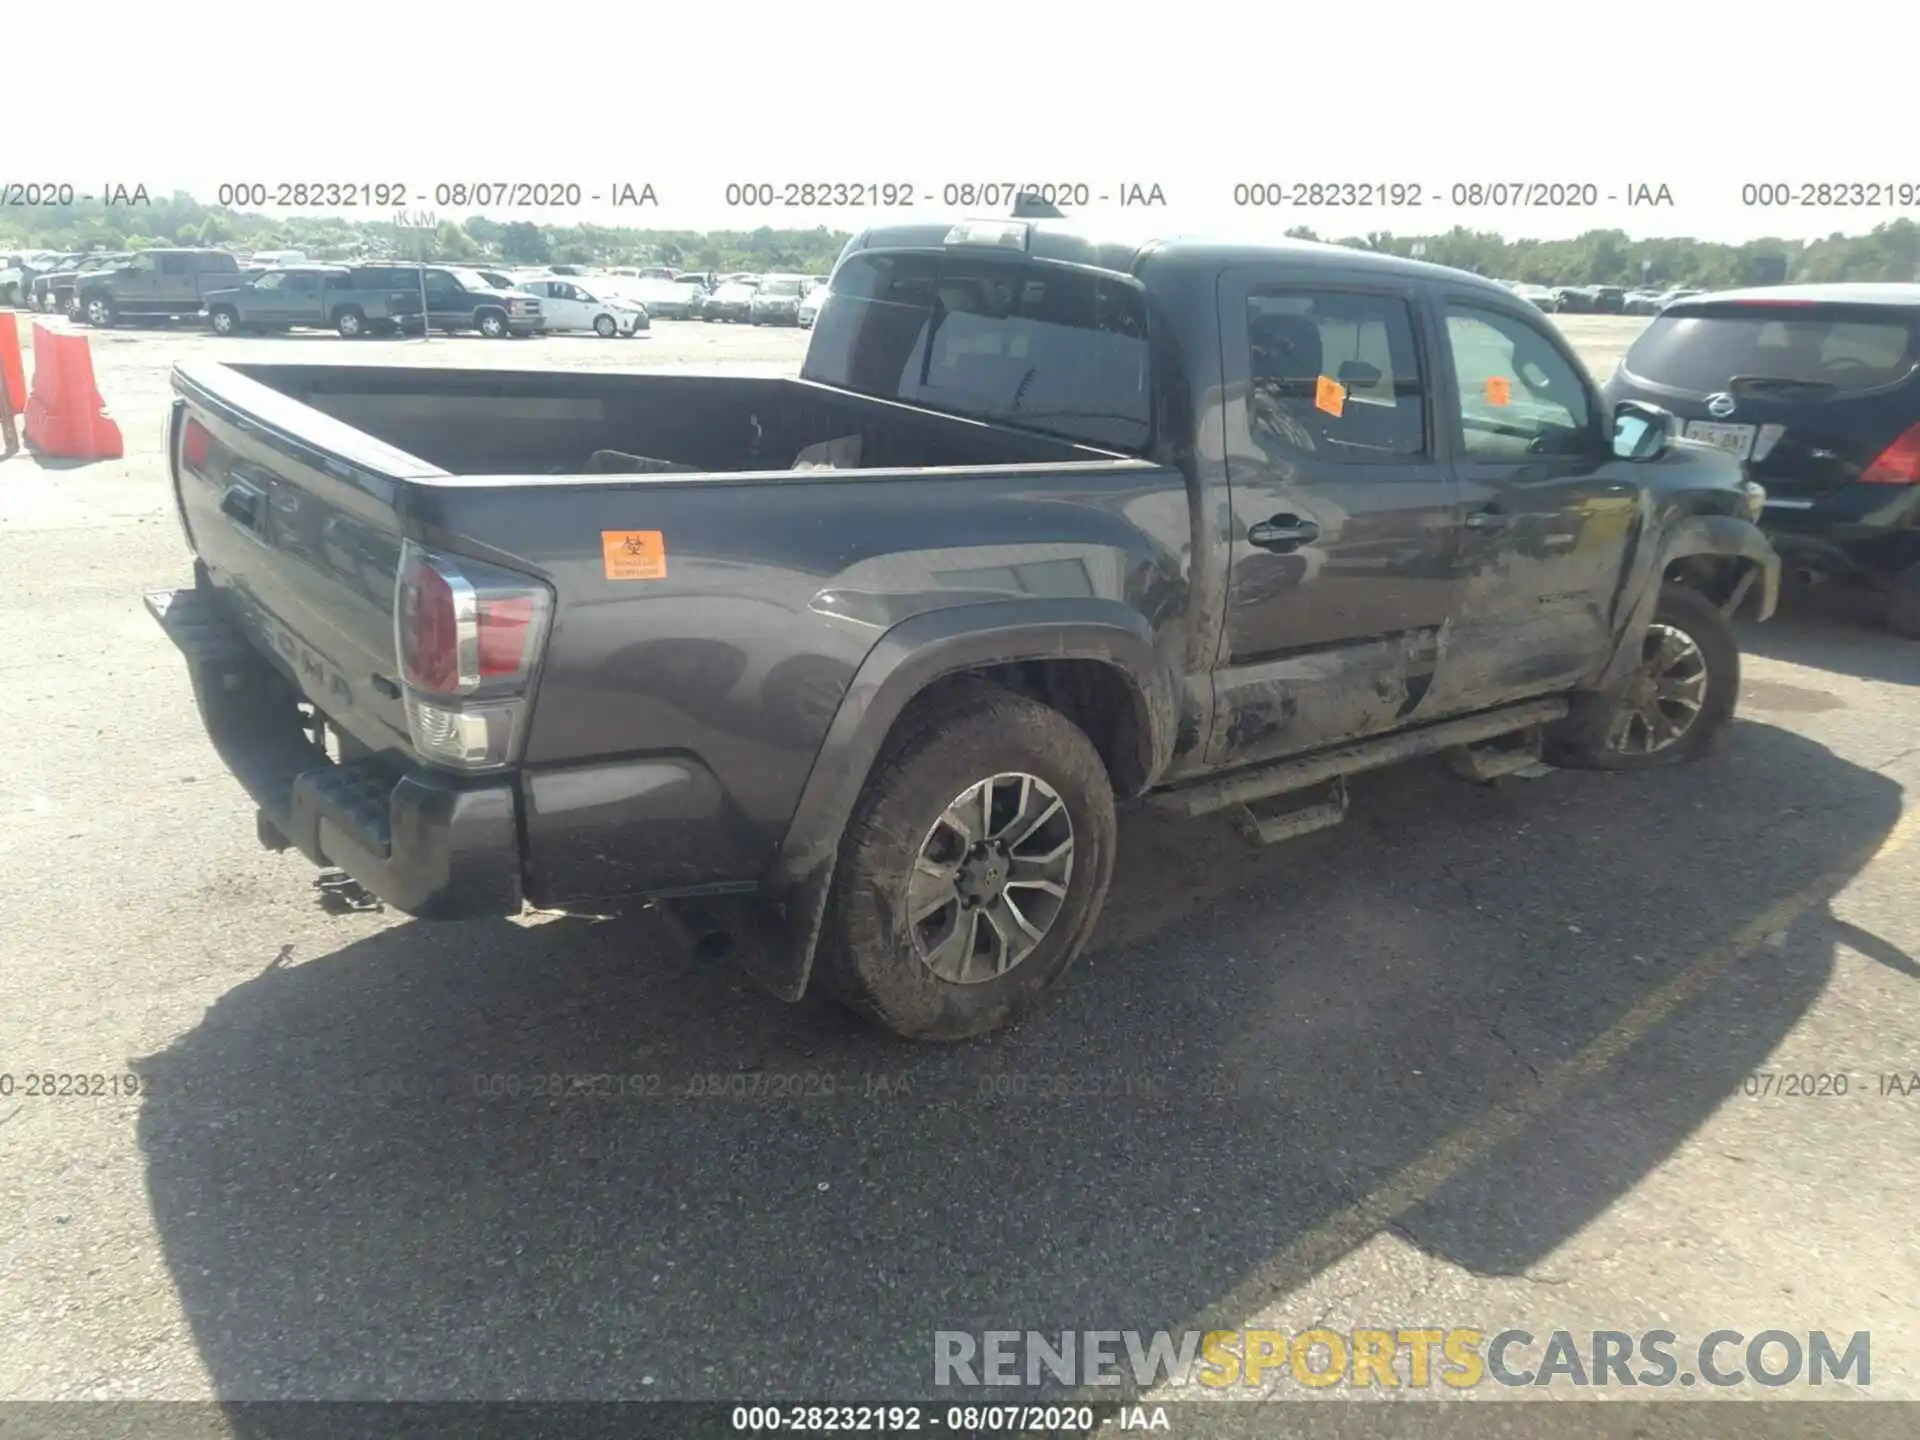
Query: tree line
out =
(1890, 251)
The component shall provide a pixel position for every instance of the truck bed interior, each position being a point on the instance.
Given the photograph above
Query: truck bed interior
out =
(568, 422)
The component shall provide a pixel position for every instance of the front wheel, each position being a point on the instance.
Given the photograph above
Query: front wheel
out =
(1673, 706)
(351, 323)
(99, 310)
(972, 870)
(224, 321)
(492, 324)
(604, 327)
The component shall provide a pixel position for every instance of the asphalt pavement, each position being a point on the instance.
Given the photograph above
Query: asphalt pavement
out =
(1483, 1056)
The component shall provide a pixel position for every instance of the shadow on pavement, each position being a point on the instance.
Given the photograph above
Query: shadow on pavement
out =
(364, 1189)
(1836, 627)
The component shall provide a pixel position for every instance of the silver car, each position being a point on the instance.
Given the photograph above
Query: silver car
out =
(777, 300)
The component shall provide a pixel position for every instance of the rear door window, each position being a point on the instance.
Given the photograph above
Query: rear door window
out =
(1044, 347)
(1704, 349)
(1335, 375)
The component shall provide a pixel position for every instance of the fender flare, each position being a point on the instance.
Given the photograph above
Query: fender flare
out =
(909, 657)
(1722, 535)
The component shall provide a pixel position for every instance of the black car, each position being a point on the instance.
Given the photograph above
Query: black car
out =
(1609, 300)
(1573, 299)
(457, 299)
(1817, 389)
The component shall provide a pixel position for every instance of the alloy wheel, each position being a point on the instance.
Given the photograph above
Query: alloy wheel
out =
(990, 878)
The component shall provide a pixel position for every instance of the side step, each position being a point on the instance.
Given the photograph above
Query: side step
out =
(1305, 771)
(1494, 758)
(1271, 827)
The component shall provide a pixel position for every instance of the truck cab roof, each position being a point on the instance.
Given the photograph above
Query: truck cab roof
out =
(1068, 243)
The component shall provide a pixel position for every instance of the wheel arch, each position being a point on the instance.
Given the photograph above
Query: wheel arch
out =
(1723, 556)
(1093, 660)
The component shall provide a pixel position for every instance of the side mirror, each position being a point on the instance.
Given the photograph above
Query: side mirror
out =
(1641, 431)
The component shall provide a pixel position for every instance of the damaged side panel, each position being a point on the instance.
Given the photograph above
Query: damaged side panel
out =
(1303, 701)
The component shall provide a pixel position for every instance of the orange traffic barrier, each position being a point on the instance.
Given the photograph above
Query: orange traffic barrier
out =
(65, 415)
(13, 375)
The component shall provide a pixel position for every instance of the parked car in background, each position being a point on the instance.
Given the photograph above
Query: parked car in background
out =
(499, 279)
(568, 304)
(1609, 300)
(776, 300)
(17, 269)
(51, 291)
(61, 299)
(353, 300)
(1538, 296)
(665, 299)
(1644, 302)
(277, 259)
(459, 300)
(731, 300)
(1683, 294)
(278, 299)
(1816, 388)
(1573, 299)
(154, 284)
(810, 307)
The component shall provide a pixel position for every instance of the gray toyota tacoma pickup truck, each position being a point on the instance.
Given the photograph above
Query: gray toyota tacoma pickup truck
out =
(848, 673)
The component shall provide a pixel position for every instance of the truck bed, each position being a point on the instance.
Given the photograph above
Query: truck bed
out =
(553, 422)
(678, 712)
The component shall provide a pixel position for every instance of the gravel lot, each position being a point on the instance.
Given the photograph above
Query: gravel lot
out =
(1476, 1058)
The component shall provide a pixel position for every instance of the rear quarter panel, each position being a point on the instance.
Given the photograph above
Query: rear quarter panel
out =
(726, 670)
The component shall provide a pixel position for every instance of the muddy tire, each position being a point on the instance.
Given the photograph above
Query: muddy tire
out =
(1675, 705)
(1903, 604)
(972, 870)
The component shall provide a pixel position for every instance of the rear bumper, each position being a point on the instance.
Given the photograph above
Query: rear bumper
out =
(426, 844)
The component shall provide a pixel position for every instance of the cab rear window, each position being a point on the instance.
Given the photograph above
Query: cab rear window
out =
(1704, 349)
(1044, 347)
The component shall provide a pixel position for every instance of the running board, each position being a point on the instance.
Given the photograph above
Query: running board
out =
(1305, 771)
(1271, 827)
(1492, 759)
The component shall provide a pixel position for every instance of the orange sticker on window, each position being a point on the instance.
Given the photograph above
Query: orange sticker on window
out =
(1499, 390)
(634, 554)
(1329, 395)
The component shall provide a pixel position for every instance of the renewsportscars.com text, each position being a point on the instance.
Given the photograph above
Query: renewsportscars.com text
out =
(1399, 1358)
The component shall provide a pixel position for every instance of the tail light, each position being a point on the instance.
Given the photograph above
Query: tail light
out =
(469, 638)
(194, 442)
(1898, 464)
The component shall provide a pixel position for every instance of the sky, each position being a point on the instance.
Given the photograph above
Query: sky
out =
(1213, 104)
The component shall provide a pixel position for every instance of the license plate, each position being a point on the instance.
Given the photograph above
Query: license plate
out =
(1736, 440)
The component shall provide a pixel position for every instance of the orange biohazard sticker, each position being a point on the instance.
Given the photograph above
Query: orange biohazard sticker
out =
(1329, 395)
(634, 554)
(1499, 390)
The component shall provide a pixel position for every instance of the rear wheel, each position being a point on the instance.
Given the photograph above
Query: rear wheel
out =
(973, 868)
(1903, 604)
(1673, 705)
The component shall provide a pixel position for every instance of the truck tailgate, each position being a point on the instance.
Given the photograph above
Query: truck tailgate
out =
(296, 518)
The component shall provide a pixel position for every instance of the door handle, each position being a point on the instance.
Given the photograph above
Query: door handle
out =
(1488, 522)
(1282, 532)
(241, 504)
